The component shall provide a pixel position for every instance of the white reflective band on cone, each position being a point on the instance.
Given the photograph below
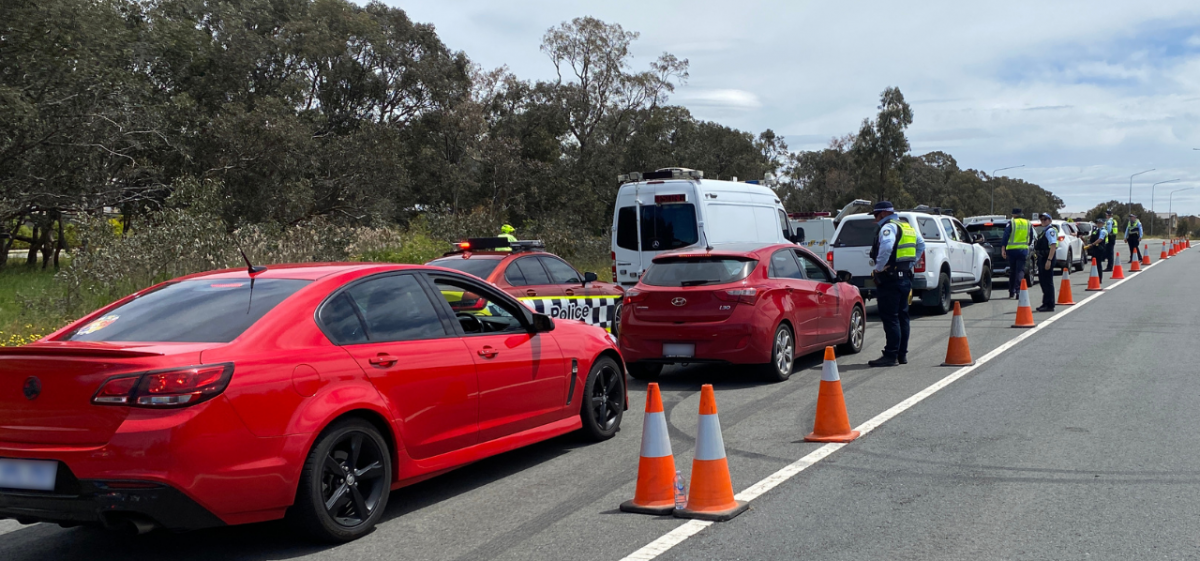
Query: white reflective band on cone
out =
(829, 372)
(709, 446)
(956, 327)
(655, 442)
(1024, 301)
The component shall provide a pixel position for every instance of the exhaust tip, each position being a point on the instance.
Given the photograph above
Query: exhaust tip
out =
(130, 523)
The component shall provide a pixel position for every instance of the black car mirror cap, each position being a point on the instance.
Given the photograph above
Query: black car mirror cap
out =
(589, 277)
(844, 276)
(541, 323)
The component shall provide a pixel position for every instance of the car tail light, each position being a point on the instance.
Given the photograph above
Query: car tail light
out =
(633, 296)
(741, 295)
(920, 268)
(1061, 238)
(177, 387)
(614, 261)
(829, 258)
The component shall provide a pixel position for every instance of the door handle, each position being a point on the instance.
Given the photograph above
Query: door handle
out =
(383, 360)
(570, 292)
(488, 352)
(531, 292)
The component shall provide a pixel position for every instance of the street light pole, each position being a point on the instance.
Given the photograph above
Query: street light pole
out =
(1169, 201)
(1131, 185)
(1153, 216)
(994, 186)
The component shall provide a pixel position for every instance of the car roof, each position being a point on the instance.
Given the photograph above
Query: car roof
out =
(301, 271)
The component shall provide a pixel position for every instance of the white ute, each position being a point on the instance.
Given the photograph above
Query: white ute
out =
(953, 261)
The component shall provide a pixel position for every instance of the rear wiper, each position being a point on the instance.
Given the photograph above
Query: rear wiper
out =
(698, 282)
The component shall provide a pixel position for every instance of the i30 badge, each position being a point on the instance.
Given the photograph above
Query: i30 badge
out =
(679, 301)
(33, 388)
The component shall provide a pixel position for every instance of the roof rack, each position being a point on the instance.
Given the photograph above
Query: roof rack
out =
(664, 173)
(496, 245)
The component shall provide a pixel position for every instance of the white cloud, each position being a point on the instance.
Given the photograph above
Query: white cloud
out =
(722, 99)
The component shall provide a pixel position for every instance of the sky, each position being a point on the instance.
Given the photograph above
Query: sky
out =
(1082, 94)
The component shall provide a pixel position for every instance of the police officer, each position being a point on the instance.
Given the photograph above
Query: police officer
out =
(1110, 245)
(897, 246)
(1097, 245)
(1133, 236)
(1046, 249)
(1016, 250)
(506, 232)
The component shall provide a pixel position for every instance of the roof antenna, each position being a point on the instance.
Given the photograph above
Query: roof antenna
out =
(253, 270)
(707, 246)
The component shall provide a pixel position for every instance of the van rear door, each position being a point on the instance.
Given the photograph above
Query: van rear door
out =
(658, 217)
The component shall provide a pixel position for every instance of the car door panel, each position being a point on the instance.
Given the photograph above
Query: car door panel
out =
(829, 322)
(803, 297)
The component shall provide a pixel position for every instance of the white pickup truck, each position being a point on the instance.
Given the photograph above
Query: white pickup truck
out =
(954, 262)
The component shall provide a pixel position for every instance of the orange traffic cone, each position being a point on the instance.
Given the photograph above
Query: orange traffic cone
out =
(1171, 249)
(710, 496)
(1164, 252)
(1118, 272)
(1145, 254)
(831, 423)
(1024, 311)
(1135, 265)
(1064, 290)
(655, 492)
(958, 352)
(1094, 278)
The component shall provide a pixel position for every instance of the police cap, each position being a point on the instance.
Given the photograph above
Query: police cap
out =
(1016, 212)
(883, 206)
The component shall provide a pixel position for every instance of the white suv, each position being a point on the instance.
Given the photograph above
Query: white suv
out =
(953, 261)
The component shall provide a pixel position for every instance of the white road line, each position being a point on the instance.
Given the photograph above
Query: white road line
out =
(680, 534)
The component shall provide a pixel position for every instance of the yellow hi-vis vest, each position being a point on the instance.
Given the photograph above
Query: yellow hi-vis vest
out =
(1131, 227)
(906, 247)
(511, 238)
(1110, 226)
(1020, 234)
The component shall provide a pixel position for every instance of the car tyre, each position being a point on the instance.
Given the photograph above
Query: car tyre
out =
(603, 400)
(645, 371)
(783, 355)
(856, 332)
(938, 300)
(985, 287)
(352, 461)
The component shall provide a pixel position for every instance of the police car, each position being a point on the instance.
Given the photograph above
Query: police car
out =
(541, 280)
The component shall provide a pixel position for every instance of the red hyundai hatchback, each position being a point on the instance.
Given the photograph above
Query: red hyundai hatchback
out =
(741, 304)
(305, 392)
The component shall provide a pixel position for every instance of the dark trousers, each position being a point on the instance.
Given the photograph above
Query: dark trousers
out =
(1135, 246)
(1046, 279)
(1098, 255)
(1016, 268)
(1109, 248)
(892, 301)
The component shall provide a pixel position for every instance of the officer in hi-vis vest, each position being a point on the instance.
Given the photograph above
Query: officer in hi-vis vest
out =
(897, 247)
(1133, 236)
(1016, 250)
(506, 232)
(1110, 244)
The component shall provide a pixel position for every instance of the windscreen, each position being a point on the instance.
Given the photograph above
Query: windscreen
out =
(478, 267)
(856, 233)
(194, 311)
(993, 234)
(697, 271)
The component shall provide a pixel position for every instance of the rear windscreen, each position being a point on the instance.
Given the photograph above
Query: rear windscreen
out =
(194, 311)
(478, 267)
(666, 227)
(698, 271)
(991, 234)
(856, 233)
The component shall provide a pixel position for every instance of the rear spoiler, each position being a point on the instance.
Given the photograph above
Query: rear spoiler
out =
(74, 351)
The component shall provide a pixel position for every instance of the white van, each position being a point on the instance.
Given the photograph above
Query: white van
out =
(676, 208)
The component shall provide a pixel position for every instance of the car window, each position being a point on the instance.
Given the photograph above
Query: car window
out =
(480, 267)
(394, 308)
(783, 265)
(342, 322)
(697, 271)
(560, 273)
(813, 270)
(477, 311)
(856, 233)
(627, 228)
(992, 233)
(193, 311)
(668, 226)
(950, 235)
(929, 229)
(525, 271)
(961, 232)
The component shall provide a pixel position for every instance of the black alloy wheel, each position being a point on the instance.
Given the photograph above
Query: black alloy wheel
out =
(603, 400)
(345, 483)
(937, 300)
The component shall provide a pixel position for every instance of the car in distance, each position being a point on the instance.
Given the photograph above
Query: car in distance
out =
(544, 281)
(761, 304)
(300, 392)
(992, 229)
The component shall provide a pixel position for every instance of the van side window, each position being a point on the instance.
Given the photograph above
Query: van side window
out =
(787, 226)
(627, 228)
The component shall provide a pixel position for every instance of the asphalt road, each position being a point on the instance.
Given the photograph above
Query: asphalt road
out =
(1074, 443)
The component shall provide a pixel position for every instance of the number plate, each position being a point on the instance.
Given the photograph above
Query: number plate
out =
(679, 350)
(32, 475)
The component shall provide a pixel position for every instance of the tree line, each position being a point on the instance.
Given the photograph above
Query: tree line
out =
(303, 110)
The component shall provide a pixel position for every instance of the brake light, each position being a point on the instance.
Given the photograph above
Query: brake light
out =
(920, 268)
(740, 295)
(1061, 238)
(829, 258)
(634, 296)
(614, 261)
(178, 387)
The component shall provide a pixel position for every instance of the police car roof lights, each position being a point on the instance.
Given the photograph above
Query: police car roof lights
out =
(664, 173)
(494, 244)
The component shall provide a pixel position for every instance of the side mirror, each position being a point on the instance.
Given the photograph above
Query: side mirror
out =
(542, 323)
(844, 276)
(798, 236)
(589, 277)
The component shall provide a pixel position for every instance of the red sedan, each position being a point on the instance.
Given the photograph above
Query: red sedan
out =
(302, 392)
(741, 304)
